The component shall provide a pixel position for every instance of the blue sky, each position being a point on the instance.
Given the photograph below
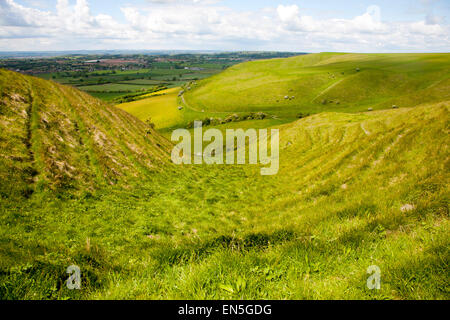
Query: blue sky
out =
(395, 10)
(285, 25)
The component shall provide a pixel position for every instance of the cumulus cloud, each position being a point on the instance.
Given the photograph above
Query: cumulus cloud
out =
(209, 24)
(288, 14)
(370, 21)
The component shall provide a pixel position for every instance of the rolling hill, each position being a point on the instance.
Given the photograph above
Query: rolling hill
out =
(325, 82)
(353, 190)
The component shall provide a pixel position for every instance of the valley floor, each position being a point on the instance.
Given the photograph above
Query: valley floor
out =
(354, 190)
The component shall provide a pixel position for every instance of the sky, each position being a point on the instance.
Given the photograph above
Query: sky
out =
(229, 25)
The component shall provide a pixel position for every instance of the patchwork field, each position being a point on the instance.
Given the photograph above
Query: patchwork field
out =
(111, 76)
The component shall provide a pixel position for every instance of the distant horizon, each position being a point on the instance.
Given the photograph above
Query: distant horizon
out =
(205, 51)
(62, 53)
(151, 50)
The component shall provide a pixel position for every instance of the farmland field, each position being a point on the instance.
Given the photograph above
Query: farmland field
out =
(115, 87)
(161, 110)
(110, 77)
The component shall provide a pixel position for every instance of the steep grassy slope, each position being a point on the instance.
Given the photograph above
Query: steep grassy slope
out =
(326, 82)
(59, 138)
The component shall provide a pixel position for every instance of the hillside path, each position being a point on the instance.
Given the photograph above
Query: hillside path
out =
(328, 89)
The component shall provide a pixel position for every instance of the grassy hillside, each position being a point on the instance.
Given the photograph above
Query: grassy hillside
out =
(162, 109)
(326, 82)
(58, 137)
(353, 190)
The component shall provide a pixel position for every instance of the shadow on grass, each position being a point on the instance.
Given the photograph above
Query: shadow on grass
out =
(187, 253)
(424, 276)
(44, 277)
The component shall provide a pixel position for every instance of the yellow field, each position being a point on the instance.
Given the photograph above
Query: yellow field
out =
(163, 92)
(162, 110)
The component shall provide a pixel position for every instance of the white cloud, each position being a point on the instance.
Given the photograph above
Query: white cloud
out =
(207, 24)
(369, 22)
(288, 14)
(422, 27)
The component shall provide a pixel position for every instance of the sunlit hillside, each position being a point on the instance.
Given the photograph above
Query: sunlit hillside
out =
(326, 82)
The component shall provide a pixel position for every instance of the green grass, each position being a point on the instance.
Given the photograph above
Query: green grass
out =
(205, 232)
(141, 81)
(326, 82)
(61, 138)
(142, 228)
(161, 108)
(108, 85)
(107, 96)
